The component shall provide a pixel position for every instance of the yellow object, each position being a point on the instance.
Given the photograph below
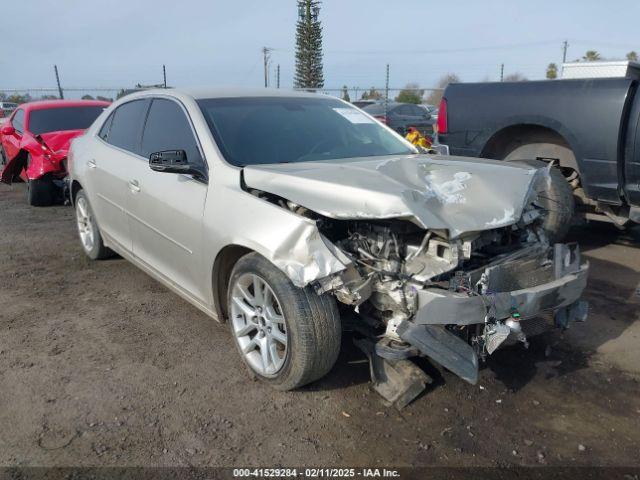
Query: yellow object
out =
(415, 137)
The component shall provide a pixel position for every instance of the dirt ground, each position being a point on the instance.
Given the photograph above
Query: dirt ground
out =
(101, 365)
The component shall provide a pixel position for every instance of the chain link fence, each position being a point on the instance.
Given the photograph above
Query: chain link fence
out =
(21, 95)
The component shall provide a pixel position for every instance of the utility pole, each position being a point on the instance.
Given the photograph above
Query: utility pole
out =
(278, 76)
(502, 72)
(565, 45)
(386, 93)
(266, 56)
(55, 68)
(164, 75)
(356, 90)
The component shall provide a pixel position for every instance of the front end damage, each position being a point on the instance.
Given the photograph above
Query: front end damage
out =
(450, 294)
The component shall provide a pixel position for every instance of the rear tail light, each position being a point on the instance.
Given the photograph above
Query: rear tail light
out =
(382, 118)
(442, 117)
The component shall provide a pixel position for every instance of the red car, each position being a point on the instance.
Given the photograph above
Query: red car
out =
(35, 141)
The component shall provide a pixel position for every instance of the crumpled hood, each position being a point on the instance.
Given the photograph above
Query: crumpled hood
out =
(60, 141)
(435, 192)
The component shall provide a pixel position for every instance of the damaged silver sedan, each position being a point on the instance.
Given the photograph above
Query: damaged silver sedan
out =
(295, 216)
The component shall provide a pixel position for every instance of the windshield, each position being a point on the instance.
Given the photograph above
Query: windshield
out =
(65, 118)
(262, 130)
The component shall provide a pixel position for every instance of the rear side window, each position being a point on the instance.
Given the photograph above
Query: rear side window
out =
(126, 125)
(168, 128)
(18, 121)
(106, 127)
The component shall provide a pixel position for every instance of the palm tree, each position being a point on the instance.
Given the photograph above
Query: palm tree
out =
(591, 56)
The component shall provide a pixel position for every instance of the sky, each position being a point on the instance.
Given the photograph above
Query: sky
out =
(118, 43)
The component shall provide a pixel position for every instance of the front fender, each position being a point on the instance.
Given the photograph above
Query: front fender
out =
(291, 242)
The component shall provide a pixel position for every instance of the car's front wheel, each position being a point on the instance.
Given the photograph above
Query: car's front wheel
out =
(90, 237)
(287, 336)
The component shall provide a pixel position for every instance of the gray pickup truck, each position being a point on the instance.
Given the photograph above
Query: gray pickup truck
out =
(588, 128)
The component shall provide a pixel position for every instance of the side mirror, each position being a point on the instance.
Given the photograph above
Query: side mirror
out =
(7, 130)
(175, 161)
(169, 161)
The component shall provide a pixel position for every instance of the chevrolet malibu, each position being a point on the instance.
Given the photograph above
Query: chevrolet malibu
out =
(294, 216)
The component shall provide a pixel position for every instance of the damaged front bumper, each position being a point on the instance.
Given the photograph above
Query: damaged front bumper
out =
(432, 329)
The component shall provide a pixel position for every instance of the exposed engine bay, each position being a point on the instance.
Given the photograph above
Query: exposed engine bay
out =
(454, 299)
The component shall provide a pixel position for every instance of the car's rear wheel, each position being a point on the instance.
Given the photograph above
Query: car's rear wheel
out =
(88, 231)
(40, 192)
(287, 336)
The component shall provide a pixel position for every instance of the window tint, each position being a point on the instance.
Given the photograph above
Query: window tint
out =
(263, 130)
(104, 131)
(59, 119)
(167, 128)
(18, 121)
(126, 125)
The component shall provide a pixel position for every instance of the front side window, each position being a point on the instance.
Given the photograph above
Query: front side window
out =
(64, 118)
(167, 128)
(126, 125)
(18, 121)
(264, 130)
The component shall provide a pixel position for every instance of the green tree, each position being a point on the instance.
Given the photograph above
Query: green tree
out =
(309, 73)
(19, 98)
(87, 97)
(632, 56)
(372, 94)
(104, 99)
(345, 94)
(552, 71)
(436, 94)
(591, 56)
(411, 93)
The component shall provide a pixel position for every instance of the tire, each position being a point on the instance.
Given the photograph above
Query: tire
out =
(309, 323)
(3, 156)
(40, 192)
(557, 199)
(88, 231)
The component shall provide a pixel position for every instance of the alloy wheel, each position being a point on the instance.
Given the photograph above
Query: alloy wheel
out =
(259, 324)
(85, 224)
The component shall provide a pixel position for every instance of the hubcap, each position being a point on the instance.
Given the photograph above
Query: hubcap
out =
(258, 324)
(85, 224)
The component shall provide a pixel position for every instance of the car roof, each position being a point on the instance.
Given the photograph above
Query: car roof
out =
(199, 93)
(51, 104)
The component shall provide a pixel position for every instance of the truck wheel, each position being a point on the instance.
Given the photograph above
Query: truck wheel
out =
(557, 199)
(287, 336)
(40, 192)
(88, 230)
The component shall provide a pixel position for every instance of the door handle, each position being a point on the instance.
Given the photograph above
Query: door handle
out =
(134, 186)
(91, 163)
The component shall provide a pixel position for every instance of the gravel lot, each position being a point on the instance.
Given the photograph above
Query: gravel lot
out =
(101, 365)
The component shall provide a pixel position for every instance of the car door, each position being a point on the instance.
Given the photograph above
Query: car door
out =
(11, 143)
(108, 171)
(166, 209)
